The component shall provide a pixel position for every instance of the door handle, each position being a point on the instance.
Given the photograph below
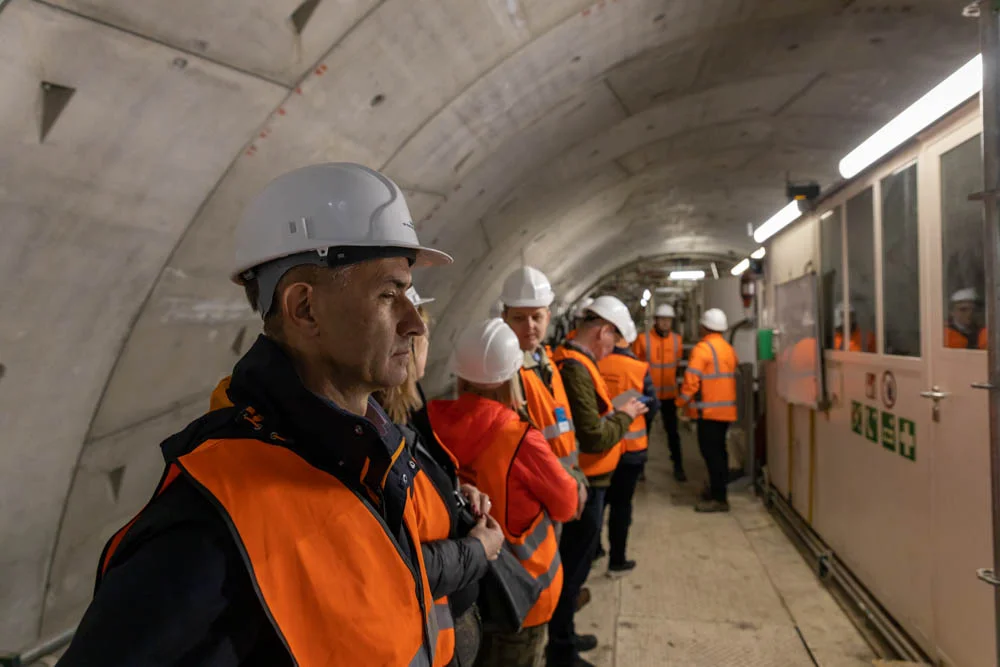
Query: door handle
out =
(982, 385)
(935, 394)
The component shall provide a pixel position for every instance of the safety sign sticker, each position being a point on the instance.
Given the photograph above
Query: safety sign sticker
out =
(895, 434)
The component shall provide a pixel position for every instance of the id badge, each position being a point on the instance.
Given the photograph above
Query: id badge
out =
(561, 420)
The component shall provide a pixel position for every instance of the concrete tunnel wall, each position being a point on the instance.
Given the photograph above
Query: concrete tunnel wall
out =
(573, 136)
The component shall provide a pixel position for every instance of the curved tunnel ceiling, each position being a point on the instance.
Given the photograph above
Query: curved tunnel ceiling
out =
(573, 136)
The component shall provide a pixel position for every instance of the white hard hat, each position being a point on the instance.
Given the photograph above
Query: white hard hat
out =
(838, 314)
(303, 214)
(415, 298)
(582, 306)
(527, 287)
(632, 332)
(664, 310)
(714, 320)
(488, 352)
(967, 294)
(611, 309)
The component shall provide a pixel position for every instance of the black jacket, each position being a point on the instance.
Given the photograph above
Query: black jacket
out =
(177, 591)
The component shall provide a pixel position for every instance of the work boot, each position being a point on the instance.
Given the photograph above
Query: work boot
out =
(582, 598)
(712, 506)
(679, 474)
(621, 568)
(584, 643)
(706, 493)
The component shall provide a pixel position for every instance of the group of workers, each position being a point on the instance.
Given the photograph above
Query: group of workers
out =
(323, 512)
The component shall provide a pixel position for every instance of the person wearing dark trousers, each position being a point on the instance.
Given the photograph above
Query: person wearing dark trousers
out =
(622, 372)
(663, 349)
(709, 392)
(600, 428)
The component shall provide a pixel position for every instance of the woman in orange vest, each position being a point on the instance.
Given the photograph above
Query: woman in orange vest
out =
(710, 392)
(455, 544)
(511, 461)
(622, 372)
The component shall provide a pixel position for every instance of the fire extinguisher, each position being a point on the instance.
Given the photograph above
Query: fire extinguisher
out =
(748, 288)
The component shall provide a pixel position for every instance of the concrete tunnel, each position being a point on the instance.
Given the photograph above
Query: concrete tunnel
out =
(591, 140)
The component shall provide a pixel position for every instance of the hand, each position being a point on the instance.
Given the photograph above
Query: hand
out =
(634, 408)
(581, 500)
(489, 534)
(479, 501)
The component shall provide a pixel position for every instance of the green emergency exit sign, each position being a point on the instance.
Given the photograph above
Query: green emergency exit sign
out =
(895, 434)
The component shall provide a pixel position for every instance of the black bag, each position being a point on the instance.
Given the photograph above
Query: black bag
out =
(506, 594)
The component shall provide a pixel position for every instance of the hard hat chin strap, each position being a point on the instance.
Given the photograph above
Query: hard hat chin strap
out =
(268, 275)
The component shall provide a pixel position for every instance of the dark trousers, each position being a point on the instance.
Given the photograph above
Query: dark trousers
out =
(668, 410)
(619, 502)
(712, 442)
(576, 548)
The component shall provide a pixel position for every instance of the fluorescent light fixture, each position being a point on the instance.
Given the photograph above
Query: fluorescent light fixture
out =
(670, 290)
(646, 294)
(687, 275)
(741, 267)
(643, 303)
(944, 97)
(758, 253)
(777, 222)
(715, 271)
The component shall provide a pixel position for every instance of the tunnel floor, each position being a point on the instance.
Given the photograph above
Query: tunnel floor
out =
(713, 590)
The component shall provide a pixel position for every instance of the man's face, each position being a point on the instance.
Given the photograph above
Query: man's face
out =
(963, 313)
(365, 324)
(530, 325)
(663, 324)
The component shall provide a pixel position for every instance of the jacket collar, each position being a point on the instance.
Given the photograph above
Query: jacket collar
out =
(316, 428)
(572, 345)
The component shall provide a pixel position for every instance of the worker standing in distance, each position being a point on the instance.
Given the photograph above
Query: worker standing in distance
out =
(710, 392)
(622, 372)
(858, 341)
(662, 348)
(507, 458)
(962, 329)
(298, 476)
(599, 430)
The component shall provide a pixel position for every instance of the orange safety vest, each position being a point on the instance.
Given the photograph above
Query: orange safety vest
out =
(663, 354)
(855, 344)
(433, 524)
(710, 380)
(330, 577)
(549, 412)
(621, 373)
(537, 548)
(593, 465)
(954, 338)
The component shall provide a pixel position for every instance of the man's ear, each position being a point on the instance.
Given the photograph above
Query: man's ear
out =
(297, 307)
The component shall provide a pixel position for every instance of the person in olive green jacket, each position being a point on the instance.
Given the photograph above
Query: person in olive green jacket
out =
(599, 429)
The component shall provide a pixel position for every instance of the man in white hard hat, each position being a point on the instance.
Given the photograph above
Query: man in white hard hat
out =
(709, 392)
(963, 329)
(624, 373)
(296, 475)
(527, 296)
(600, 428)
(663, 349)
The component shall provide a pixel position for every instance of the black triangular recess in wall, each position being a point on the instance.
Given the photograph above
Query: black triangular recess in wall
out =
(300, 17)
(54, 100)
(115, 480)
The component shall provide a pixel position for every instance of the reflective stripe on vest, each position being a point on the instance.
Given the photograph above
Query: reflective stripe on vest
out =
(434, 523)
(542, 407)
(295, 523)
(622, 373)
(594, 465)
(701, 404)
(537, 580)
(663, 370)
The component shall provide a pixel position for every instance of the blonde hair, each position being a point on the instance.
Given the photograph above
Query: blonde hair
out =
(507, 393)
(401, 401)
